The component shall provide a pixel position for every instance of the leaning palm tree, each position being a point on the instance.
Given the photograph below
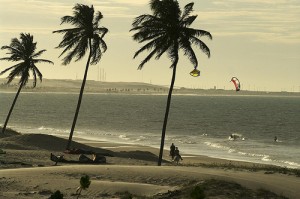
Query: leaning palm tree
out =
(22, 51)
(167, 31)
(86, 35)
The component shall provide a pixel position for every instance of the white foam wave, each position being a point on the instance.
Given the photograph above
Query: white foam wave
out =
(215, 145)
(124, 137)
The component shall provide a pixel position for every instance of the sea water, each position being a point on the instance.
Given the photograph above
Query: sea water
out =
(198, 125)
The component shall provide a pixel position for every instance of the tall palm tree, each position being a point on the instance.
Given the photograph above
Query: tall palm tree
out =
(22, 51)
(168, 31)
(86, 35)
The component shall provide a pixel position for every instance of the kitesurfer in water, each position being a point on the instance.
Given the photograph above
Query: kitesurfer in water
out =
(236, 83)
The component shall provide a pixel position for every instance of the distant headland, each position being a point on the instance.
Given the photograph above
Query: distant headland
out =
(92, 86)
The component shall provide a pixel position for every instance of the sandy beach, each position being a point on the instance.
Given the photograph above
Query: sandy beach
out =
(26, 171)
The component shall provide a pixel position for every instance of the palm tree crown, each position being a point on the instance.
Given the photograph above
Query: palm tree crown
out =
(23, 51)
(86, 32)
(168, 30)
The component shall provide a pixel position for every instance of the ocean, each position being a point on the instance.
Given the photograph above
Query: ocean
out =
(198, 125)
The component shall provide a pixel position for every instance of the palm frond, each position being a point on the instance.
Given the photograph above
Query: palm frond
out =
(149, 46)
(147, 59)
(14, 66)
(69, 42)
(97, 18)
(156, 50)
(186, 22)
(143, 36)
(201, 45)
(38, 72)
(9, 48)
(67, 30)
(96, 50)
(101, 31)
(15, 52)
(67, 19)
(81, 49)
(68, 58)
(189, 52)
(7, 59)
(38, 53)
(42, 60)
(187, 10)
(199, 33)
(24, 78)
(17, 71)
(142, 18)
(165, 46)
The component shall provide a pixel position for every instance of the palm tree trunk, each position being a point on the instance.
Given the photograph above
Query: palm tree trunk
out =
(11, 108)
(80, 96)
(167, 113)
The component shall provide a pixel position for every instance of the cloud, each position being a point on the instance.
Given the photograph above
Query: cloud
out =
(264, 20)
(131, 2)
(272, 19)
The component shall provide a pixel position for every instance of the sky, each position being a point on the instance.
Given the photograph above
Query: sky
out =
(257, 41)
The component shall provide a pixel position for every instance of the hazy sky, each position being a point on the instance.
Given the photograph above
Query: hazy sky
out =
(257, 41)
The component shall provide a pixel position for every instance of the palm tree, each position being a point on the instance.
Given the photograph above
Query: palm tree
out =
(167, 31)
(86, 35)
(22, 51)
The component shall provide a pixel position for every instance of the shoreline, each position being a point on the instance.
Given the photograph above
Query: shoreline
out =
(155, 150)
(105, 144)
(130, 169)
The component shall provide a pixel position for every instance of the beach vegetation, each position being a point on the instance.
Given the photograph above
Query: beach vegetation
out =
(84, 184)
(22, 51)
(267, 169)
(57, 195)
(166, 31)
(125, 195)
(198, 193)
(216, 188)
(87, 35)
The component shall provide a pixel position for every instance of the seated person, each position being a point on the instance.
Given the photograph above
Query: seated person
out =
(58, 158)
(83, 158)
(99, 158)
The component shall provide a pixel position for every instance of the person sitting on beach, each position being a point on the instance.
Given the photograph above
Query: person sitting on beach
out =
(172, 150)
(275, 139)
(56, 158)
(177, 155)
(83, 158)
(99, 158)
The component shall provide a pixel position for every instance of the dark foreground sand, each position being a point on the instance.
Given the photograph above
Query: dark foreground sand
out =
(26, 171)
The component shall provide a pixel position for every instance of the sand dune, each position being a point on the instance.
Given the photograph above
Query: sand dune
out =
(141, 180)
